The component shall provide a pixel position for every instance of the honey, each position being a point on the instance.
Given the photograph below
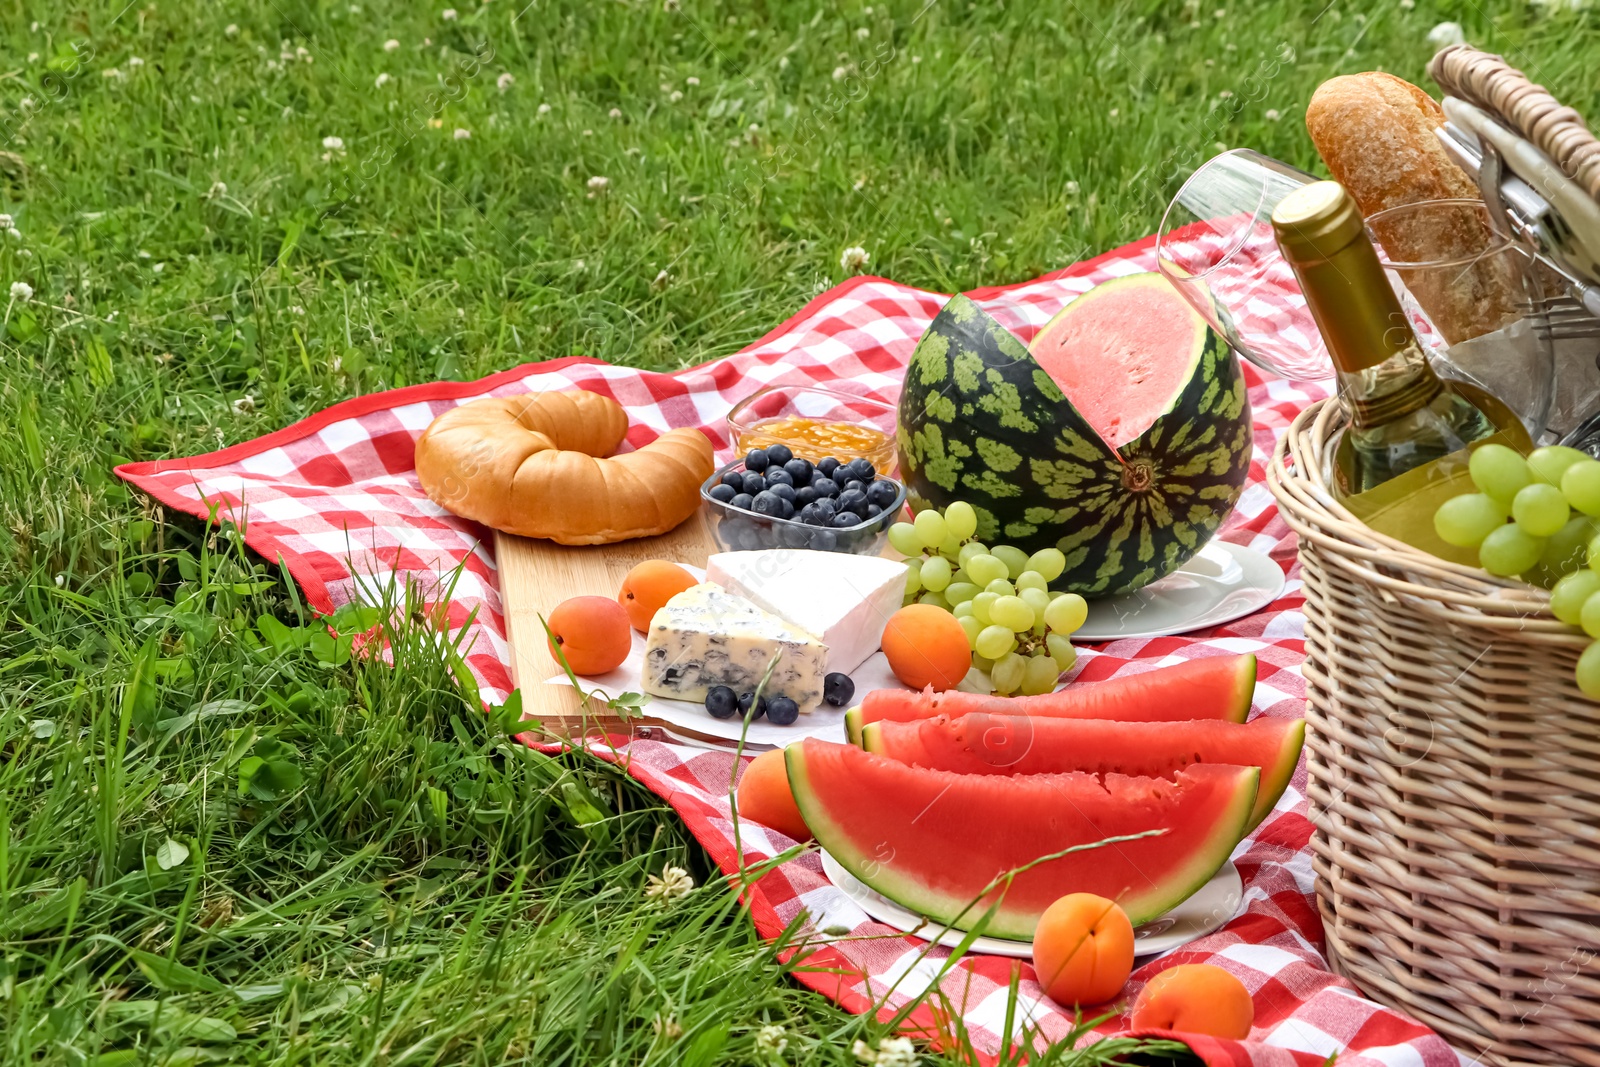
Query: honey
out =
(814, 439)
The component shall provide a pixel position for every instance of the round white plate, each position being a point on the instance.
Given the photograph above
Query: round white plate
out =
(1216, 902)
(1221, 583)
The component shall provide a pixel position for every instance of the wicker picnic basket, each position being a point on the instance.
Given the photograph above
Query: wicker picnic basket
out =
(1454, 781)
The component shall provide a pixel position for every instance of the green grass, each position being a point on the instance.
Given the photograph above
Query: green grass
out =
(223, 840)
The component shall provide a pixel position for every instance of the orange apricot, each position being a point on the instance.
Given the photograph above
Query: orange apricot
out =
(1199, 998)
(925, 645)
(650, 585)
(593, 633)
(1083, 950)
(764, 796)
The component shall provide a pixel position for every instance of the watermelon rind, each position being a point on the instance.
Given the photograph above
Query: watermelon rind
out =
(878, 863)
(981, 421)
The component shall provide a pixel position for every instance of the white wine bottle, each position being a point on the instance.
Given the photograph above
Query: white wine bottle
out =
(1403, 416)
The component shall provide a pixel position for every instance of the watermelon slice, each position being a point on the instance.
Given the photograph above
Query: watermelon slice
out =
(1023, 744)
(1217, 687)
(934, 840)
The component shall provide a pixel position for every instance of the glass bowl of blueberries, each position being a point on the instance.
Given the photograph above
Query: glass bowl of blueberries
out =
(774, 499)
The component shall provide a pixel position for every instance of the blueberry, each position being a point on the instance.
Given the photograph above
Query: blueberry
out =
(722, 702)
(827, 466)
(873, 511)
(781, 711)
(785, 491)
(748, 698)
(800, 470)
(750, 538)
(722, 492)
(824, 485)
(846, 519)
(804, 495)
(735, 479)
(787, 511)
(863, 469)
(742, 501)
(767, 503)
(853, 500)
(752, 483)
(756, 461)
(841, 475)
(882, 493)
(856, 484)
(779, 454)
(792, 535)
(837, 689)
(778, 476)
(824, 540)
(825, 509)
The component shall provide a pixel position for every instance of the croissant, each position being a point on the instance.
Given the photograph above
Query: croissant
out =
(537, 466)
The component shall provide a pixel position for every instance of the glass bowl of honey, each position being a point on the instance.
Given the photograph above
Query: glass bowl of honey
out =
(814, 423)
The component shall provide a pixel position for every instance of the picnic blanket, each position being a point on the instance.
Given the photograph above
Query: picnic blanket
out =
(335, 497)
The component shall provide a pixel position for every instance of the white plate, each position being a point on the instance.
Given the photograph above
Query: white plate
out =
(1216, 902)
(1221, 583)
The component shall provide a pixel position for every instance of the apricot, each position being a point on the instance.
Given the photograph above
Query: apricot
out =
(925, 645)
(1199, 998)
(1083, 950)
(765, 797)
(593, 633)
(649, 586)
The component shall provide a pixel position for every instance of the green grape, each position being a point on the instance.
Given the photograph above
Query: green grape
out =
(903, 538)
(1001, 586)
(934, 600)
(981, 604)
(913, 576)
(1464, 521)
(1509, 550)
(1015, 559)
(1066, 614)
(971, 627)
(962, 609)
(1062, 651)
(1589, 615)
(994, 642)
(1013, 613)
(1571, 593)
(956, 591)
(1049, 562)
(935, 573)
(970, 549)
(1499, 471)
(1032, 580)
(1549, 464)
(1007, 674)
(961, 576)
(1540, 509)
(1581, 486)
(1038, 600)
(1588, 672)
(981, 663)
(985, 569)
(1594, 553)
(961, 519)
(1040, 675)
(1567, 548)
(930, 527)
(950, 549)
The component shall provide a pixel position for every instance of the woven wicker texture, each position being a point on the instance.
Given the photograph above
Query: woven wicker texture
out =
(1454, 782)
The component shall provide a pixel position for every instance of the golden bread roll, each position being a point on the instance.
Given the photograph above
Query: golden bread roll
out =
(541, 466)
(1376, 134)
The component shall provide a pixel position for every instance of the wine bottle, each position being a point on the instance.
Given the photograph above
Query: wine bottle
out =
(1402, 415)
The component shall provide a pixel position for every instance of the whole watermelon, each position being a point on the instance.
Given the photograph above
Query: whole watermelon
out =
(980, 420)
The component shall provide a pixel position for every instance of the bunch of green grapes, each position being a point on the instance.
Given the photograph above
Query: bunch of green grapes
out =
(1019, 631)
(1537, 517)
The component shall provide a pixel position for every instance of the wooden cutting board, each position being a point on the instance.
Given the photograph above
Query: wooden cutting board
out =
(536, 575)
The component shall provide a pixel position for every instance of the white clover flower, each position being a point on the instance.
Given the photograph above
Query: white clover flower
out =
(677, 94)
(448, 14)
(615, 113)
(783, 62)
(915, 60)
(896, 1052)
(296, 309)
(461, 134)
(1273, 114)
(691, 80)
(14, 233)
(158, 268)
(598, 183)
(544, 109)
(134, 62)
(853, 259)
(661, 281)
(244, 405)
(1407, 5)
(666, 1026)
(21, 292)
(1226, 94)
(303, 54)
(231, 30)
(1446, 33)
(674, 884)
(670, 6)
(333, 144)
(772, 1039)
(391, 45)
(217, 189)
(863, 33)
(6, 222)
(840, 73)
(112, 72)
(504, 82)
(381, 80)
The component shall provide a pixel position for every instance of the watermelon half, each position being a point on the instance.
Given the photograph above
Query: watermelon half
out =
(1129, 477)
(1023, 744)
(933, 841)
(1213, 687)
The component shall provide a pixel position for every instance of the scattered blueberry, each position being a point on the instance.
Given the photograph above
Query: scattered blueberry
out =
(778, 476)
(735, 479)
(804, 495)
(752, 483)
(827, 466)
(768, 503)
(853, 500)
(837, 689)
(756, 461)
(742, 501)
(722, 492)
(846, 519)
(722, 702)
(863, 469)
(779, 454)
(745, 701)
(824, 485)
(800, 470)
(785, 491)
(781, 711)
(882, 493)
(824, 540)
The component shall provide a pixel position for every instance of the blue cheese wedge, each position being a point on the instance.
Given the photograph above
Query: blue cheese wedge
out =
(706, 636)
(842, 600)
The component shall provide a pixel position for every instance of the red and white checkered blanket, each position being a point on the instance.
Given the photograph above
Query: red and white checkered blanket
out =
(335, 497)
